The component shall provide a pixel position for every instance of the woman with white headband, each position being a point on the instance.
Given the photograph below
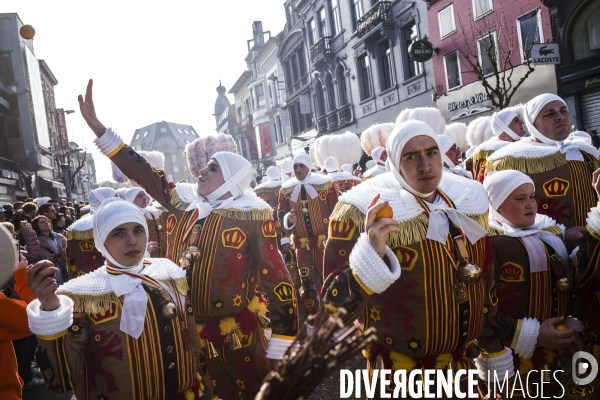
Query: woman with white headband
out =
(507, 127)
(531, 261)
(225, 237)
(132, 314)
(451, 155)
(157, 245)
(82, 254)
(406, 272)
(559, 162)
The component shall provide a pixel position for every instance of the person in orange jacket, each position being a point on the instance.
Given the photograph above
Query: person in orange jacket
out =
(14, 325)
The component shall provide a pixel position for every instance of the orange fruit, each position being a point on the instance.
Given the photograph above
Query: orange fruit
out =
(385, 212)
(561, 327)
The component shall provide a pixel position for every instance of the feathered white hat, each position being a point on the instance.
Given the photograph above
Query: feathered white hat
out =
(345, 148)
(479, 130)
(375, 136)
(458, 132)
(200, 151)
(431, 116)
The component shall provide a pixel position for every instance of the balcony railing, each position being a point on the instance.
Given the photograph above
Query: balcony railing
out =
(322, 124)
(345, 114)
(300, 84)
(320, 49)
(332, 120)
(379, 13)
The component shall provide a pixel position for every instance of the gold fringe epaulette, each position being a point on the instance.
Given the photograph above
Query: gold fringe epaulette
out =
(411, 231)
(482, 154)
(80, 235)
(555, 229)
(495, 232)
(177, 202)
(181, 284)
(527, 165)
(92, 304)
(318, 188)
(273, 189)
(243, 215)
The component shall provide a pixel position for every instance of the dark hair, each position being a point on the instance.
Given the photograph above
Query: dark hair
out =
(45, 208)
(18, 204)
(29, 207)
(35, 224)
(52, 201)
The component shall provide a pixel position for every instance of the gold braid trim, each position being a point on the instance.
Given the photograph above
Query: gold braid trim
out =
(268, 190)
(527, 165)
(181, 284)
(80, 235)
(318, 188)
(495, 232)
(411, 231)
(92, 304)
(176, 201)
(243, 215)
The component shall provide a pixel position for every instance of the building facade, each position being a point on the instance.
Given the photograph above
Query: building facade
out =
(360, 69)
(576, 26)
(459, 29)
(170, 139)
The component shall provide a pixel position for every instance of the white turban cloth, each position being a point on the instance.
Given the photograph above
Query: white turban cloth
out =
(273, 173)
(446, 143)
(347, 168)
(533, 108)
(501, 120)
(499, 186)
(111, 214)
(331, 164)
(42, 200)
(305, 160)
(98, 196)
(132, 193)
(376, 155)
(370, 164)
(121, 192)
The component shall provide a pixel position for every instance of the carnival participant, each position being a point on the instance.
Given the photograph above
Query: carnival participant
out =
(305, 203)
(342, 180)
(379, 155)
(286, 170)
(560, 163)
(226, 239)
(423, 274)
(132, 314)
(82, 254)
(451, 155)
(269, 192)
(507, 126)
(530, 265)
(157, 246)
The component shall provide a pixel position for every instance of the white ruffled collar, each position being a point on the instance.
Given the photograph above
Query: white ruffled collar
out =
(313, 179)
(83, 224)
(468, 196)
(246, 202)
(527, 148)
(268, 185)
(375, 171)
(492, 144)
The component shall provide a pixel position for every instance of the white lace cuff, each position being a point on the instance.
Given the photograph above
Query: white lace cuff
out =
(109, 143)
(500, 363)
(574, 253)
(593, 219)
(48, 323)
(286, 240)
(528, 335)
(372, 272)
(278, 346)
(286, 224)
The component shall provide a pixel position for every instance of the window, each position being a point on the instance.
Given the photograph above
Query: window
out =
(446, 21)
(386, 65)
(529, 33)
(145, 133)
(357, 10)
(481, 7)
(239, 113)
(259, 91)
(6, 70)
(299, 122)
(186, 131)
(137, 136)
(487, 53)
(330, 92)
(279, 130)
(452, 65)
(320, 99)
(322, 22)
(341, 84)
(364, 67)
(337, 18)
(302, 61)
(247, 107)
(312, 35)
(586, 32)
(253, 99)
(410, 34)
(163, 130)
(179, 130)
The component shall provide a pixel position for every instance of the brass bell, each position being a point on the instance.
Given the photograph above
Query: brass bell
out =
(193, 251)
(305, 210)
(169, 310)
(563, 284)
(159, 228)
(468, 273)
(212, 352)
(234, 341)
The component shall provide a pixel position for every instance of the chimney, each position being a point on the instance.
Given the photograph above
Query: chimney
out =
(257, 31)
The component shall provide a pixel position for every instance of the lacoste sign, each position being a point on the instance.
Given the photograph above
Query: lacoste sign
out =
(545, 53)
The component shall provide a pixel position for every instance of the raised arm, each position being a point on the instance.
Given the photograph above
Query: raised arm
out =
(124, 157)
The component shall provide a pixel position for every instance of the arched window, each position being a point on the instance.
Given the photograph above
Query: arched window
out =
(586, 33)
(330, 92)
(320, 99)
(341, 84)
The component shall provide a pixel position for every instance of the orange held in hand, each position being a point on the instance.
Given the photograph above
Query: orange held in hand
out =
(561, 327)
(385, 212)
